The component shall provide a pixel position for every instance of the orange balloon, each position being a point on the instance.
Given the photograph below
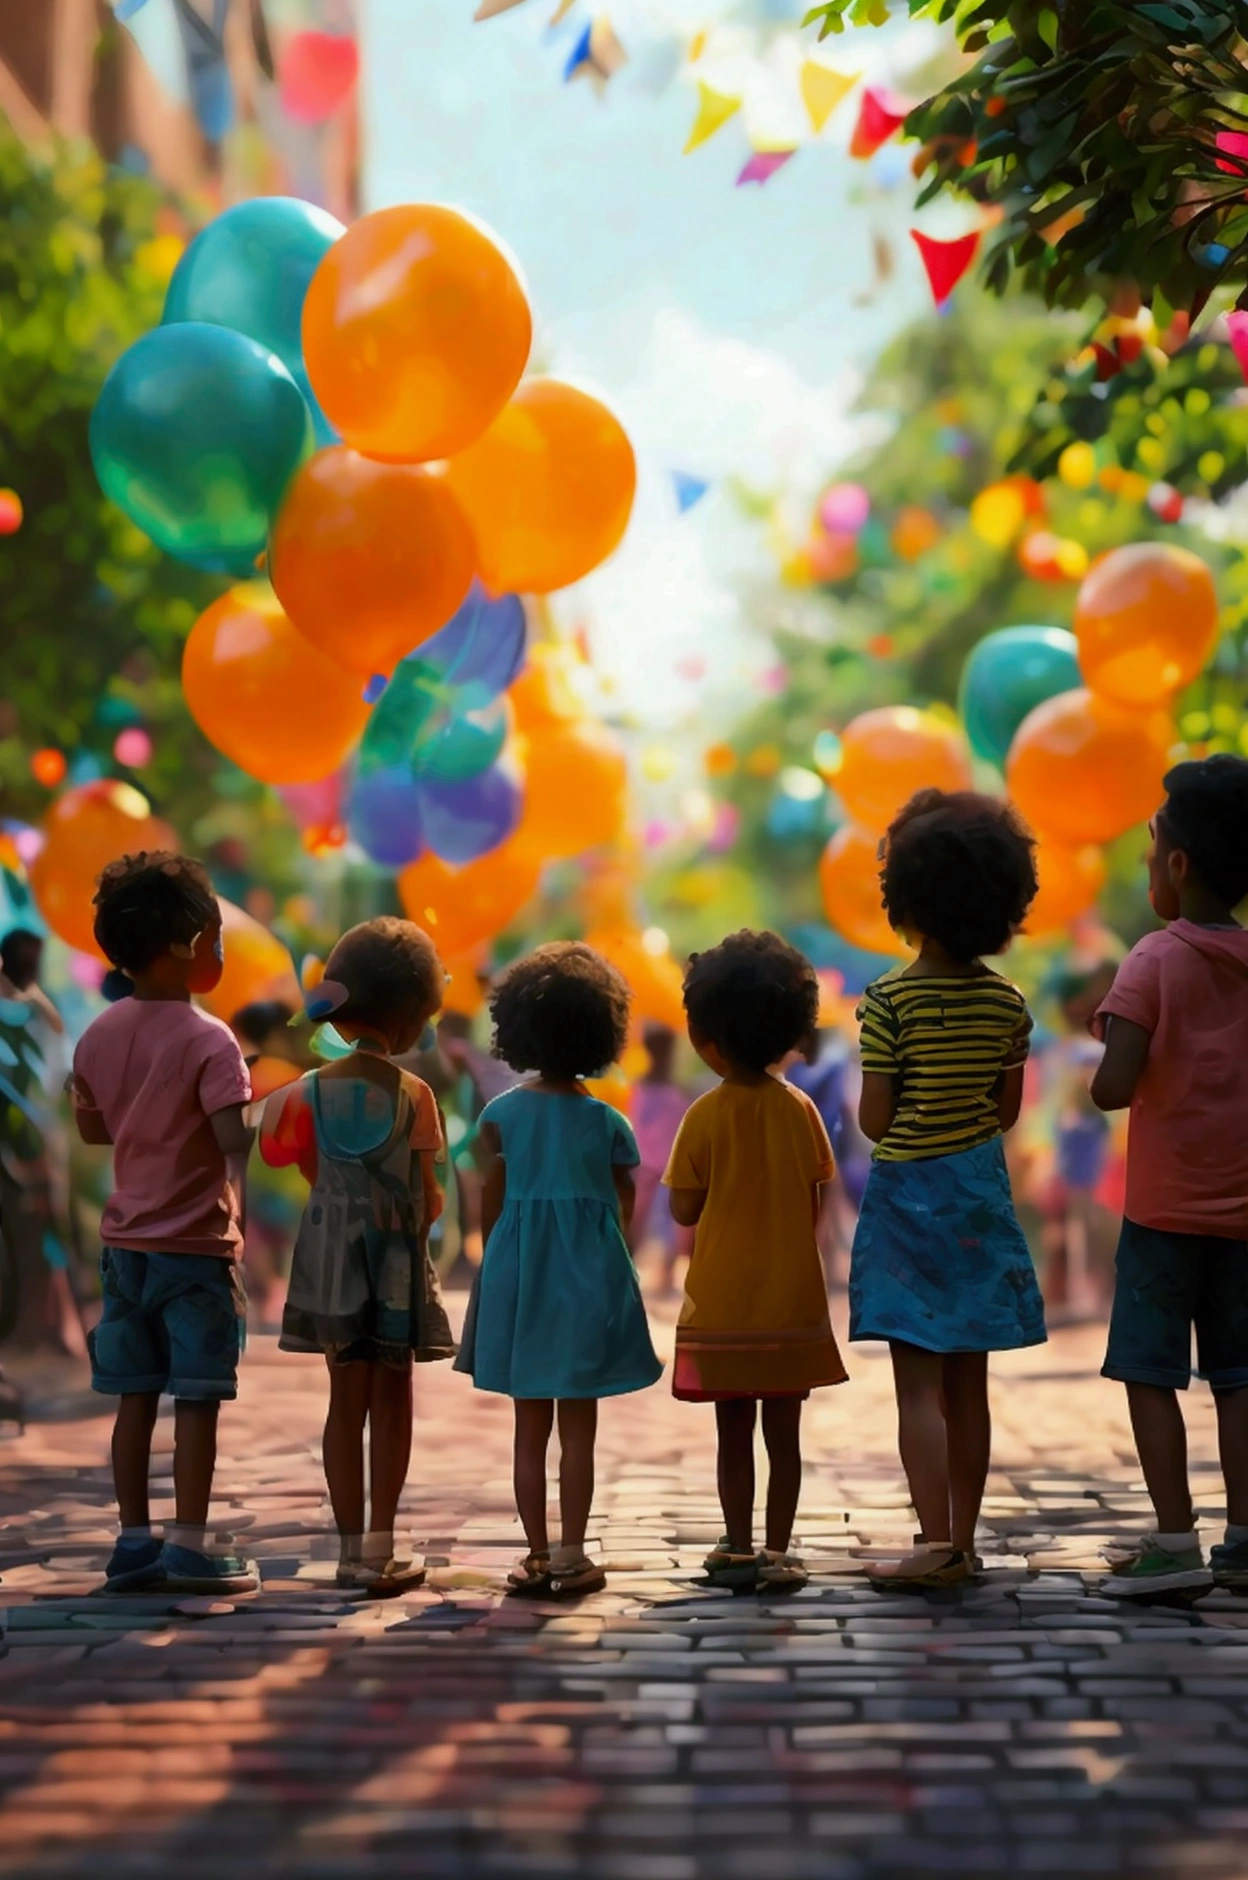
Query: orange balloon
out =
(461, 908)
(268, 700)
(1146, 620)
(575, 791)
(548, 489)
(888, 754)
(257, 966)
(369, 559)
(84, 830)
(545, 693)
(849, 877)
(1070, 880)
(1088, 770)
(654, 979)
(464, 993)
(415, 332)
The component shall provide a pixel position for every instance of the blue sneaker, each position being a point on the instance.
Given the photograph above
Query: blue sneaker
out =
(1229, 1560)
(183, 1570)
(134, 1564)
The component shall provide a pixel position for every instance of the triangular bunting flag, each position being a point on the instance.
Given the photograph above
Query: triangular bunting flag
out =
(690, 489)
(489, 8)
(714, 110)
(580, 54)
(879, 114)
(822, 91)
(763, 165)
(1237, 332)
(561, 11)
(945, 262)
(606, 54)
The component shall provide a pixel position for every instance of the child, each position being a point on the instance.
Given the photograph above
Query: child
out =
(747, 1168)
(1175, 1025)
(659, 1104)
(940, 1267)
(556, 1320)
(362, 1291)
(166, 1085)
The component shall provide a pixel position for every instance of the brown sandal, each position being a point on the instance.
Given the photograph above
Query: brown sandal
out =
(530, 1577)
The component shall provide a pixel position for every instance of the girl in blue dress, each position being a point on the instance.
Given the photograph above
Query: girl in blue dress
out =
(556, 1319)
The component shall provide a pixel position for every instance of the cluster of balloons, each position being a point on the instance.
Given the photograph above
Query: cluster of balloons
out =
(344, 410)
(1080, 724)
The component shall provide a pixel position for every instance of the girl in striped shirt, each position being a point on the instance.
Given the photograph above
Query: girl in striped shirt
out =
(940, 1266)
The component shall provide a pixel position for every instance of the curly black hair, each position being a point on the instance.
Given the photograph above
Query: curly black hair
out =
(146, 904)
(960, 869)
(561, 1011)
(391, 972)
(1206, 815)
(754, 997)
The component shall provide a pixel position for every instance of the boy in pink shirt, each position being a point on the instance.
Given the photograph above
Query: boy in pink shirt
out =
(165, 1084)
(1175, 1025)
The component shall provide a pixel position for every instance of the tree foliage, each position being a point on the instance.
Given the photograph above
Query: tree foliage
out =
(1093, 127)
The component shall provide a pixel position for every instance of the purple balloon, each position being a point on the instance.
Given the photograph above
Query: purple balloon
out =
(384, 816)
(470, 816)
(482, 646)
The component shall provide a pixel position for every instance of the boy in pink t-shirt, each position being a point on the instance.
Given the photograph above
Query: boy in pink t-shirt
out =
(1175, 1025)
(165, 1084)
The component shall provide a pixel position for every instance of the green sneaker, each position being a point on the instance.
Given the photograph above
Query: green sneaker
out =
(1229, 1561)
(1151, 1570)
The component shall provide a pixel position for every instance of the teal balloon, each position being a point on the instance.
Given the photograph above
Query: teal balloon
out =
(1007, 675)
(196, 434)
(249, 270)
(432, 728)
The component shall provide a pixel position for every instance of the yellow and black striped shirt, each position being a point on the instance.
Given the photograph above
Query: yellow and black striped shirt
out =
(946, 1041)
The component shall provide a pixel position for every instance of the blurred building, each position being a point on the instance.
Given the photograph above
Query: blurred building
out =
(217, 99)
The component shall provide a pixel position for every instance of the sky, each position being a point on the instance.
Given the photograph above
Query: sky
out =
(728, 327)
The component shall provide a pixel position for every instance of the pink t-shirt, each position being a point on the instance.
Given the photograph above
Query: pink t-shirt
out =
(656, 1116)
(1187, 1151)
(156, 1070)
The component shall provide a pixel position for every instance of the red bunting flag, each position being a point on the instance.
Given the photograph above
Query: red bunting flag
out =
(1237, 333)
(946, 262)
(879, 114)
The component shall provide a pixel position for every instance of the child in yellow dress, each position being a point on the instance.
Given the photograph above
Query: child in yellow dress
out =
(747, 1167)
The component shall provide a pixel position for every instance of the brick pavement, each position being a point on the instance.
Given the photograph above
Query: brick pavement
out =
(654, 1732)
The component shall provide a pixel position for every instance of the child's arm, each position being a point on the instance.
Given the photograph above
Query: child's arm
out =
(91, 1125)
(1010, 1095)
(877, 1105)
(687, 1205)
(234, 1140)
(625, 1193)
(1120, 1070)
(494, 1186)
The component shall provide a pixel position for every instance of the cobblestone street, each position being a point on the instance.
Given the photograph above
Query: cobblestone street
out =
(656, 1731)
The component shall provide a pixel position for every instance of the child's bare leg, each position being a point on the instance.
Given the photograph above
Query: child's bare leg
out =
(1161, 1441)
(389, 1442)
(578, 1427)
(921, 1435)
(734, 1423)
(968, 1425)
(1232, 1408)
(535, 1418)
(342, 1448)
(132, 1455)
(782, 1426)
(194, 1459)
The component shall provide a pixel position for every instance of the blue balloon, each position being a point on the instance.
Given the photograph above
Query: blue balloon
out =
(196, 434)
(384, 816)
(249, 271)
(470, 817)
(482, 647)
(1007, 675)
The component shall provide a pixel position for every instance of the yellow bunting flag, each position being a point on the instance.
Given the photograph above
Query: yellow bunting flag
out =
(562, 9)
(822, 90)
(697, 46)
(714, 110)
(489, 8)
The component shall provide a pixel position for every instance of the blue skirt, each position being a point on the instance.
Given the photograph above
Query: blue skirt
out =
(939, 1258)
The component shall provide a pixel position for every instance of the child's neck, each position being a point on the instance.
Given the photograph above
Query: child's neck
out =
(737, 1074)
(560, 1086)
(157, 983)
(935, 962)
(1202, 908)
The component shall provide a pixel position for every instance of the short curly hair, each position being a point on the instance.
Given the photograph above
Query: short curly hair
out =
(562, 1011)
(754, 997)
(146, 904)
(1206, 815)
(391, 972)
(960, 869)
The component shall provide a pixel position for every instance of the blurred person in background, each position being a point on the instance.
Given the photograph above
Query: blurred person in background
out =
(658, 1108)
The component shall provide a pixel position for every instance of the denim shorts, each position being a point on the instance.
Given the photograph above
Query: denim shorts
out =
(1166, 1284)
(172, 1322)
